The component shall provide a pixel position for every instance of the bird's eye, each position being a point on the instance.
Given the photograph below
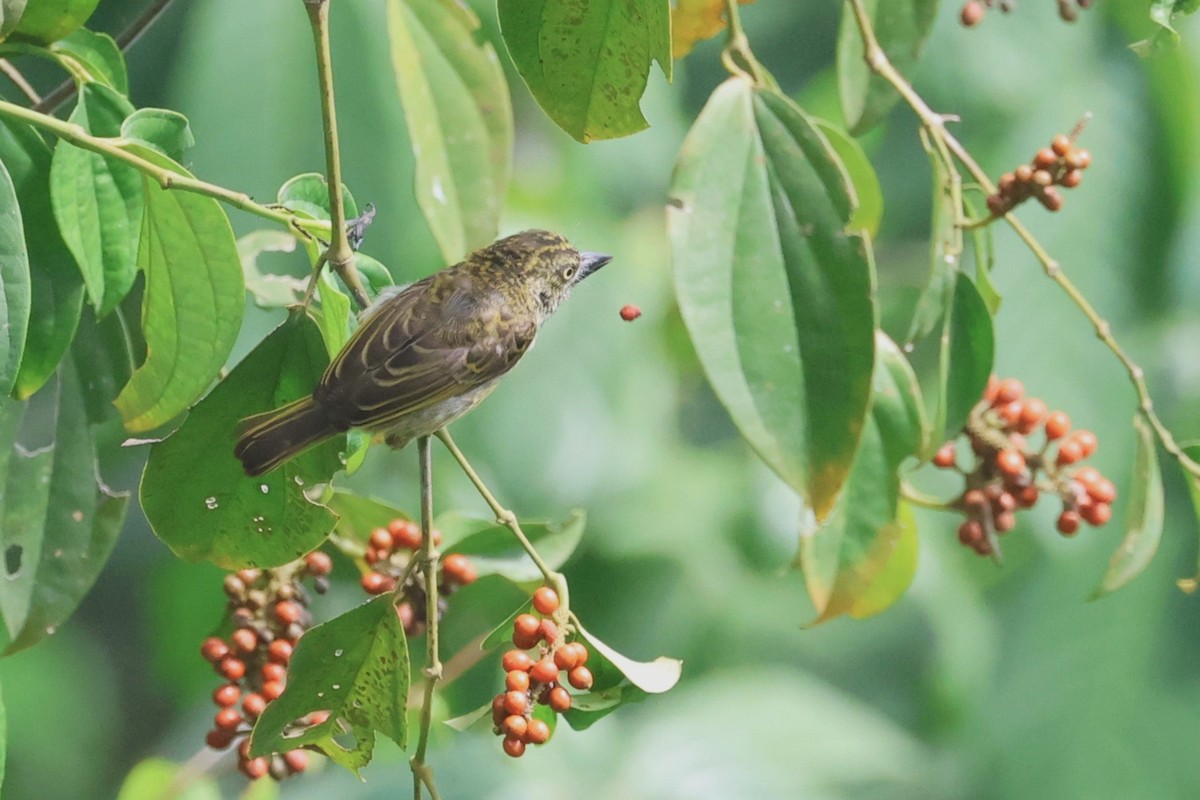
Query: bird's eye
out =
(568, 273)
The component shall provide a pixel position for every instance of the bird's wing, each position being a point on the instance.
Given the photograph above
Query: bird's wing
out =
(431, 342)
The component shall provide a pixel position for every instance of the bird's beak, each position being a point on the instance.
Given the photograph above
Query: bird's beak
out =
(589, 263)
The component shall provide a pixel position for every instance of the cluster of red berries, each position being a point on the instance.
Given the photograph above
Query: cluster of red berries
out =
(389, 553)
(269, 612)
(1009, 474)
(534, 679)
(1060, 164)
(973, 11)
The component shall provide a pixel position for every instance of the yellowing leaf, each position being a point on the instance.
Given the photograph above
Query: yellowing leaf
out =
(694, 21)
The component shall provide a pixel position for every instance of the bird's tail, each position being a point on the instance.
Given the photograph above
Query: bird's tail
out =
(267, 440)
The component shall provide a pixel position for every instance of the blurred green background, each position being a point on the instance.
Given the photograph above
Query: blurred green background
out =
(981, 682)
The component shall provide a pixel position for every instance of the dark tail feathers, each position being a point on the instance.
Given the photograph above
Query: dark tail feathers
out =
(267, 440)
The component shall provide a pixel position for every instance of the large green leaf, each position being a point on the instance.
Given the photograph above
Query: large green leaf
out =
(10, 15)
(586, 61)
(14, 284)
(849, 562)
(192, 309)
(98, 201)
(50, 20)
(56, 288)
(194, 492)
(967, 353)
(25, 477)
(868, 194)
(1143, 517)
(776, 295)
(945, 250)
(95, 56)
(901, 26)
(494, 551)
(103, 357)
(459, 118)
(356, 667)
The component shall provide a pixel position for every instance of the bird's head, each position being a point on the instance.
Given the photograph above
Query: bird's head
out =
(540, 263)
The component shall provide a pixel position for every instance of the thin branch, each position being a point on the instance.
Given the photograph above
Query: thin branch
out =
(18, 80)
(340, 254)
(935, 123)
(422, 772)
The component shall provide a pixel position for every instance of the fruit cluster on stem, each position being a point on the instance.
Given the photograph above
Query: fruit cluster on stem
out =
(973, 11)
(1060, 164)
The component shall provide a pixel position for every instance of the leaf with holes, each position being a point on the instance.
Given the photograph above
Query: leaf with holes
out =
(196, 496)
(268, 290)
(356, 667)
(586, 62)
(776, 295)
(459, 116)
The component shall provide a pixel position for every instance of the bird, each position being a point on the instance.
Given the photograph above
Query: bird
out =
(427, 353)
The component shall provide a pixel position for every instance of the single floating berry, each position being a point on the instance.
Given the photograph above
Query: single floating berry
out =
(630, 312)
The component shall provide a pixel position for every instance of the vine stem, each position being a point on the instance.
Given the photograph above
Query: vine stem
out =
(507, 518)
(738, 47)
(877, 62)
(166, 178)
(422, 772)
(339, 254)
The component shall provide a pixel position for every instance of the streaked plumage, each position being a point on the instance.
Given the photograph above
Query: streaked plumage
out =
(428, 353)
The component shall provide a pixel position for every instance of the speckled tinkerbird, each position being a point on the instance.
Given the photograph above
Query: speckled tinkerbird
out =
(427, 353)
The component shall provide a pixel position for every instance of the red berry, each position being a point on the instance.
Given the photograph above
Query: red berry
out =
(405, 533)
(1005, 521)
(514, 725)
(280, 651)
(499, 713)
(972, 13)
(1068, 522)
(580, 678)
(993, 386)
(377, 583)
(944, 458)
(318, 563)
(219, 738)
(545, 600)
(1079, 159)
(318, 717)
(1057, 425)
(1102, 491)
(213, 649)
(1087, 476)
(514, 747)
(970, 532)
(1010, 413)
(381, 539)
(273, 672)
(1096, 513)
(516, 660)
(517, 681)
(231, 668)
(566, 657)
(226, 695)
(296, 760)
(244, 640)
(1032, 414)
(544, 671)
(459, 569)
(582, 650)
(1087, 442)
(526, 630)
(548, 631)
(630, 312)
(516, 702)
(1061, 145)
(559, 699)
(227, 719)
(537, 732)
(407, 617)
(974, 498)
(1069, 452)
(253, 704)
(1071, 179)
(255, 768)
(1045, 158)
(1004, 502)
(1007, 391)
(287, 612)
(1010, 462)
(271, 690)
(1026, 496)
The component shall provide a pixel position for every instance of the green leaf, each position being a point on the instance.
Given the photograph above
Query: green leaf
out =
(945, 252)
(586, 63)
(48, 21)
(502, 633)
(898, 570)
(268, 291)
(1163, 13)
(967, 353)
(157, 778)
(194, 492)
(192, 309)
(848, 557)
(776, 296)
(98, 201)
(459, 117)
(356, 667)
(103, 358)
(3, 740)
(1143, 517)
(357, 517)
(375, 276)
(79, 527)
(14, 284)
(163, 131)
(901, 27)
(494, 551)
(868, 194)
(333, 317)
(26, 482)
(308, 193)
(96, 56)
(10, 15)
(984, 251)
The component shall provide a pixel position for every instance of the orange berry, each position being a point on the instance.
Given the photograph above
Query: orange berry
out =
(1010, 413)
(244, 640)
(566, 657)
(545, 600)
(548, 631)
(1005, 521)
(970, 532)
(514, 725)
(1023, 173)
(255, 768)
(1102, 491)
(537, 732)
(1087, 476)
(544, 671)
(226, 695)
(273, 672)
(974, 498)
(630, 312)
(582, 650)
(1009, 389)
(318, 563)
(231, 668)
(945, 456)
(1087, 442)
(1010, 462)
(516, 660)
(1045, 158)
(514, 747)
(253, 704)
(405, 533)
(499, 712)
(287, 612)
(381, 539)
(1071, 179)
(213, 649)
(972, 13)
(517, 681)
(1004, 502)
(1051, 199)
(459, 569)
(377, 583)
(993, 386)
(1079, 159)
(219, 738)
(1068, 522)
(526, 628)
(271, 690)
(1032, 414)
(516, 702)
(1069, 452)
(1096, 513)
(1061, 145)
(407, 617)
(580, 678)
(227, 719)
(559, 699)
(1057, 425)
(296, 760)
(249, 576)
(280, 651)
(1026, 496)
